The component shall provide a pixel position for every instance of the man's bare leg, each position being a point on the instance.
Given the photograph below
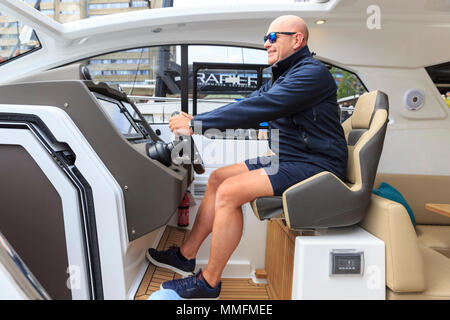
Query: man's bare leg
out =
(205, 215)
(227, 228)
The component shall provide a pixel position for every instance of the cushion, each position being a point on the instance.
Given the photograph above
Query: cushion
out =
(387, 191)
(435, 237)
(437, 269)
(389, 221)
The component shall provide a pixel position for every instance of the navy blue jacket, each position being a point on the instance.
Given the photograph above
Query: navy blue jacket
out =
(300, 101)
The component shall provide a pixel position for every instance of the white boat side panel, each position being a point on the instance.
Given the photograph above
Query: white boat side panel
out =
(69, 199)
(350, 42)
(312, 266)
(396, 82)
(427, 152)
(417, 141)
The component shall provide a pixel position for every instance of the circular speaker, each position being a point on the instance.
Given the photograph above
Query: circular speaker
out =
(414, 99)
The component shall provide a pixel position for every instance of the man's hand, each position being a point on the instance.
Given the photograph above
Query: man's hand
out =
(179, 124)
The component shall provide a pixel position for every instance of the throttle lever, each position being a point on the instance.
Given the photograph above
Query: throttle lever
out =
(196, 161)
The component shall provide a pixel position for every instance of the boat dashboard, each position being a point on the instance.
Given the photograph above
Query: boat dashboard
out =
(152, 174)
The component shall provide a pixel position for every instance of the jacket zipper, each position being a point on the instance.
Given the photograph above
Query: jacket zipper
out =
(303, 133)
(305, 138)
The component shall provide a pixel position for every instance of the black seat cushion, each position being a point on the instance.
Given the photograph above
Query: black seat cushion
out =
(268, 207)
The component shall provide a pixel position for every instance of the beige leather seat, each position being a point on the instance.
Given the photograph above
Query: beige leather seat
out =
(323, 200)
(435, 237)
(433, 230)
(413, 270)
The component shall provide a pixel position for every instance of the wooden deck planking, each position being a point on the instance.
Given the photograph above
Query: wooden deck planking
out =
(232, 288)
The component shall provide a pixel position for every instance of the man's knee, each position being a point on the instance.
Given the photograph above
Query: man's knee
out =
(220, 175)
(226, 194)
(216, 178)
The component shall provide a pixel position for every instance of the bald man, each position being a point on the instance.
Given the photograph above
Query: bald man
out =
(299, 103)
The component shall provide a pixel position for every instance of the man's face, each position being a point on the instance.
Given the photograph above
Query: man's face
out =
(282, 47)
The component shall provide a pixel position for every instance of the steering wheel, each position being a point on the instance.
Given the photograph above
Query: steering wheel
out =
(179, 151)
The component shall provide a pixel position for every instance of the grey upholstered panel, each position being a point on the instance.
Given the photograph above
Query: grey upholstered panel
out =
(307, 207)
(269, 207)
(354, 136)
(382, 102)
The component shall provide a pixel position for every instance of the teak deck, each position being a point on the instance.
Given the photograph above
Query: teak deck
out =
(232, 289)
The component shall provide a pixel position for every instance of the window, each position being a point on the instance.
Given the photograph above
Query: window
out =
(222, 83)
(219, 83)
(139, 72)
(349, 88)
(223, 54)
(225, 75)
(16, 39)
(117, 116)
(150, 76)
(440, 74)
(212, 84)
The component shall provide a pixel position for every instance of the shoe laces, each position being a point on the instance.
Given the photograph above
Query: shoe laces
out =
(172, 249)
(188, 282)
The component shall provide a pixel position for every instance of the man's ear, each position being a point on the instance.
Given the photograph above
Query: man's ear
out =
(299, 37)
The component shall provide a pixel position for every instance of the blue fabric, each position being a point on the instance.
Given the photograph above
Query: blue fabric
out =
(164, 294)
(387, 191)
(299, 101)
(284, 174)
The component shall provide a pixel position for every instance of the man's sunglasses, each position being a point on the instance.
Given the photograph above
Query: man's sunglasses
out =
(272, 37)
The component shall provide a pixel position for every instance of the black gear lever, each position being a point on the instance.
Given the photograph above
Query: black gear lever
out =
(195, 159)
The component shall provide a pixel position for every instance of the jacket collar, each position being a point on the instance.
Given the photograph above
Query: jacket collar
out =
(281, 66)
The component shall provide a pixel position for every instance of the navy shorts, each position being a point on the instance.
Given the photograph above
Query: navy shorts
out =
(283, 174)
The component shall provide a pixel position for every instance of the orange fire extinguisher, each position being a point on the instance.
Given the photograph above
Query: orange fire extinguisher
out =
(183, 212)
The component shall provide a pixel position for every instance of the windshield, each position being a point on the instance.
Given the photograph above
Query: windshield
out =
(16, 38)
